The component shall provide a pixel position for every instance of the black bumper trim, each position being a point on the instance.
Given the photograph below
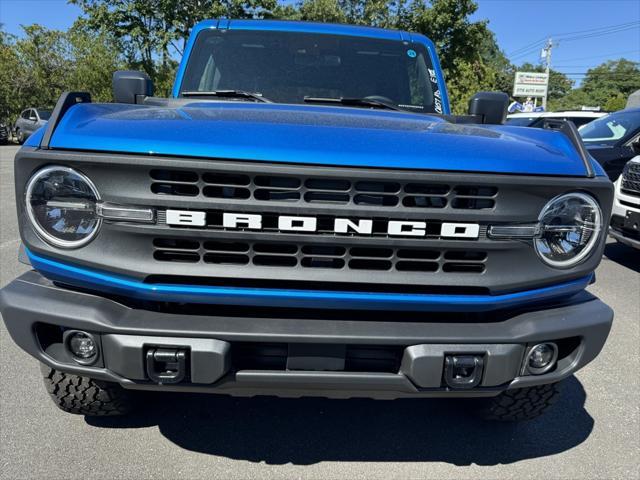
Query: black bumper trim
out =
(31, 299)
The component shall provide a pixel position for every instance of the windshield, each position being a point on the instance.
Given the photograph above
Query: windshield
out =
(286, 67)
(44, 114)
(611, 129)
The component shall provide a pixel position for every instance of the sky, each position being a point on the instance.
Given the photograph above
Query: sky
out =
(604, 29)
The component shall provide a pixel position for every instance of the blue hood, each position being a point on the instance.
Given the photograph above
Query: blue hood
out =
(319, 135)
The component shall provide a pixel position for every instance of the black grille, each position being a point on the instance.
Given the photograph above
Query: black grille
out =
(317, 190)
(631, 179)
(287, 255)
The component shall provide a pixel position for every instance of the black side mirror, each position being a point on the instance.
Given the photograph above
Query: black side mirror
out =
(130, 86)
(490, 107)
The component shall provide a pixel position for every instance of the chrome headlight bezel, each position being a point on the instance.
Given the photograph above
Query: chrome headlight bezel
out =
(42, 233)
(592, 242)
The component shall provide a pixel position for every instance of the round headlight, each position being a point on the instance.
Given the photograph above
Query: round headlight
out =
(570, 226)
(61, 204)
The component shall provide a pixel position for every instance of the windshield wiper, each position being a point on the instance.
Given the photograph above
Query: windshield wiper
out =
(228, 94)
(356, 102)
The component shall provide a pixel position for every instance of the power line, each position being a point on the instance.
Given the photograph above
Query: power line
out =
(600, 55)
(556, 67)
(635, 22)
(528, 46)
(599, 34)
(602, 74)
(575, 35)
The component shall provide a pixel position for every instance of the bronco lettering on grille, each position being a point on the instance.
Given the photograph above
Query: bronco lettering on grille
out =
(289, 223)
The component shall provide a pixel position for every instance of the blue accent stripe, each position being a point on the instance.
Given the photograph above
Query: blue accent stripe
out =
(120, 285)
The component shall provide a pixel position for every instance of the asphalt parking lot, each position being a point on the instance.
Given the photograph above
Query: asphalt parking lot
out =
(593, 431)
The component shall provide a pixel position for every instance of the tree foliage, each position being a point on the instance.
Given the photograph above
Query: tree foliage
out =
(608, 86)
(36, 69)
(150, 32)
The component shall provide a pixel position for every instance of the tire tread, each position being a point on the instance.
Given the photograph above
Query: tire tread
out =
(85, 396)
(521, 404)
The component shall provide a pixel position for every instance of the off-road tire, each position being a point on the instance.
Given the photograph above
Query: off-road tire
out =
(85, 396)
(521, 403)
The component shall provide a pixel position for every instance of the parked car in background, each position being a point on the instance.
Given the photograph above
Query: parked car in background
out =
(613, 140)
(535, 119)
(29, 121)
(634, 100)
(625, 218)
(4, 133)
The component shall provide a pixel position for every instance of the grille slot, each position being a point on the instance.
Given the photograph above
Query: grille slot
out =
(184, 176)
(175, 189)
(321, 256)
(319, 190)
(225, 178)
(326, 197)
(176, 250)
(226, 258)
(226, 246)
(409, 266)
(328, 184)
(272, 195)
(215, 191)
(176, 256)
(275, 261)
(181, 183)
(473, 203)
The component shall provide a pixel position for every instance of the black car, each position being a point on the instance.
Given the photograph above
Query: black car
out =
(613, 140)
(4, 133)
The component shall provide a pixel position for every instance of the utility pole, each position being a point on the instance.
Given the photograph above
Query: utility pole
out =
(546, 54)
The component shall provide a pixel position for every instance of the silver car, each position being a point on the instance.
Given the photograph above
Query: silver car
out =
(29, 121)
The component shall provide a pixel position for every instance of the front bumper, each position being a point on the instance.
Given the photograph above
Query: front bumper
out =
(580, 327)
(623, 205)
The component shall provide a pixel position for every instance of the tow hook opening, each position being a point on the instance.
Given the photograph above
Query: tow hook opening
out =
(166, 365)
(463, 371)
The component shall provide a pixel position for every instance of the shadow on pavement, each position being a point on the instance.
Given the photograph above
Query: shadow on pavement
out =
(622, 254)
(307, 431)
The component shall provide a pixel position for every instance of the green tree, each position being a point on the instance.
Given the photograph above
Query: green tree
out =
(36, 69)
(320, 11)
(611, 82)
(44, 65)
(150, 32)
(497, 61)
(608, 86)
(469, 79)
(468, 52)
(9, 70)
(94, 58)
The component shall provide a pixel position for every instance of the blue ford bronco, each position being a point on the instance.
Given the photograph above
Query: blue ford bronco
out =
(305, 217)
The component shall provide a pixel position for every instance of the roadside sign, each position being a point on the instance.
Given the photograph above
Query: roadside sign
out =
(530, 84)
